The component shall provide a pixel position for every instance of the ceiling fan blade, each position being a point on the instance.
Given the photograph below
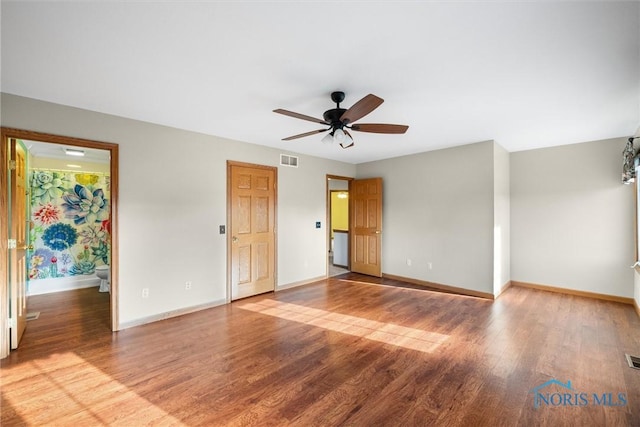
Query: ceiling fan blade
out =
(379, 128)
(361, 108)
(300, 116)
(302, 135)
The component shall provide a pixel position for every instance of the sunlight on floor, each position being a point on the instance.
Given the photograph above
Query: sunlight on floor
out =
(70, 390)
(401, 336)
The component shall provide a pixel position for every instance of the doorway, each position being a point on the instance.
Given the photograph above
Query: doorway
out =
(101, 245)
(338, 241)
(69, 193)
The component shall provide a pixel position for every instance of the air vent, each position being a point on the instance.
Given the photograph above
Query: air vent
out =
(33, 316)
(286, 160)
(633, 361)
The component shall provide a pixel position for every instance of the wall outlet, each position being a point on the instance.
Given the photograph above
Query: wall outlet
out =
(187, 285)
(145, 292)
(430, 266)
(409, 262)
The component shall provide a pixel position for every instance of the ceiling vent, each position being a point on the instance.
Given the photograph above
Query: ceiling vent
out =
(286, 160)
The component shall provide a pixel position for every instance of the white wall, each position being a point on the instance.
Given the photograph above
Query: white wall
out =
(173, 198)
(502, 219)
(572, 219)
(438, 208)
(59, 284)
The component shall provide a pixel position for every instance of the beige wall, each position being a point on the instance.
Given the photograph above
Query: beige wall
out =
(571, 218)
(481, 216)
(439, 209)
(564, 218)
(173, 198)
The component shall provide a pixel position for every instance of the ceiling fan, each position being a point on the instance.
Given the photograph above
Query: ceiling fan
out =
(340, 120)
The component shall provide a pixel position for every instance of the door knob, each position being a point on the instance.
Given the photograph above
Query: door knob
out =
(234, 239)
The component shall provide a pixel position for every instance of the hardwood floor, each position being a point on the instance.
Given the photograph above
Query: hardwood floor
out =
(339, 352)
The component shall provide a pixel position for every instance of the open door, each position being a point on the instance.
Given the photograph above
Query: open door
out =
(252, 212)
(18, 239)
(365, 226)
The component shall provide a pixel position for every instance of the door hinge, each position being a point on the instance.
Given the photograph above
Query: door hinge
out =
(12, 244)
(12, 165)
(12, 322)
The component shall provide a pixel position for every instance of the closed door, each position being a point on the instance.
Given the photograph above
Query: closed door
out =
(252, 210)
(19, 243)
(365, 226)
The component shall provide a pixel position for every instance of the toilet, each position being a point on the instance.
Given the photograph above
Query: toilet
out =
(103, 272)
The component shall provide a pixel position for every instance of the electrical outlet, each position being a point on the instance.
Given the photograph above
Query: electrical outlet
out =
(187, 285)
(430, 266)
(145, 292)
(409, 262)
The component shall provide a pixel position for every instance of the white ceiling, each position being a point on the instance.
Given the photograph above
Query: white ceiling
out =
(57, 151)
(525, 74)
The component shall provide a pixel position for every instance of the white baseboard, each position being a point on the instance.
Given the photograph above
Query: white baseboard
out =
(169, 314)
(60, 284)
(300, 283)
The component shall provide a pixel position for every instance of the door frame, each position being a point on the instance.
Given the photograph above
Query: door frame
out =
(328, 219)
(8, 133)
(230, 164)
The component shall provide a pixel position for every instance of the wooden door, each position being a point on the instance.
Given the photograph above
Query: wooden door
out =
(19, 242)
(252, 212)
(365, 225)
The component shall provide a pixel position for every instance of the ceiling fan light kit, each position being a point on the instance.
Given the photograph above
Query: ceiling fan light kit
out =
(340, 119)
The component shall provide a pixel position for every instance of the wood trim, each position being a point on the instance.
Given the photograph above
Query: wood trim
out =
(71, 141)
(327, 219)
(57, 139)
(635, 305)
(453, 289)
(594, 295)
(4, 250)
(115, 258)
(504, 288)
(339, 178)
(249, 165)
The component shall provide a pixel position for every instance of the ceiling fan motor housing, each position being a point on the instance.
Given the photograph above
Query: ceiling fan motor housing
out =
(333, 117)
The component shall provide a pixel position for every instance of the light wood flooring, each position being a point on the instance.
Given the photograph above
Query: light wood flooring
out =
(339, 352)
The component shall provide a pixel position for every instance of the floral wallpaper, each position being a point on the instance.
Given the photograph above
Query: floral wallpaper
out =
(70, 224)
